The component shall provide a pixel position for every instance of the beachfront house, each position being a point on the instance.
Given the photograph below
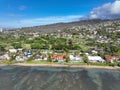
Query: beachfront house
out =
(28, 55)
(20, 58)
(4, 57)
(58, 57)
(41, 57)
(112, 59)
(38, 57)
(74, 58)
(95, 59)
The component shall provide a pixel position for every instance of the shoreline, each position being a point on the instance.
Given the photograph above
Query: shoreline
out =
(62, 65)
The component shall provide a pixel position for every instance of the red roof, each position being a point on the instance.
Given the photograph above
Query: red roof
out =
(58, 57)
(109, 58)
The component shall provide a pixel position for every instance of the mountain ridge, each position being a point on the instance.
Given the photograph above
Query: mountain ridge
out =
(61, 26)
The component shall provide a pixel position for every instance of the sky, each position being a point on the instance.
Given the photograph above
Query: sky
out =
(25, 13)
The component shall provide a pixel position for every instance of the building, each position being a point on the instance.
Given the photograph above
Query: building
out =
(59, 58)
(5, 57)
(12, 50)
(41, 57)
(75, 58)
(111, 59)
(95, 59)
(20, 58)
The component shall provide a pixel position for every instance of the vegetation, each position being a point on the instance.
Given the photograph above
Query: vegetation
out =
(85, 59)
(82, 37)
(49, 58)
(67, 59)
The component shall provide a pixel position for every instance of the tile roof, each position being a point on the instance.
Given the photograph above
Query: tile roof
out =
(109, 58)
(58, 57)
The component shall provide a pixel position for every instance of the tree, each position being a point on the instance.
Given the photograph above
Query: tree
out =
(2, 48)
(118, 64)
(49, 58)
(100, 54)
(67, 59)
(76, 47)
(16, 45)
(85, 59)
(36, 46)
(70, 42)
(66, 50)
(76, 53)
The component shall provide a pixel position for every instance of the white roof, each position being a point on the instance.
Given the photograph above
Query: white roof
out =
(93, 51)
(12, 50)
(95, 58)
(20, 49)
(77, 58)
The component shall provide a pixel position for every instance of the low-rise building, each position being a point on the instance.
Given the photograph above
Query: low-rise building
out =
(13, 50)
(40, 57)
(111, 59)
(59, 58)
(20, 58)
(75, 58)
(4, 57)
(95, 59)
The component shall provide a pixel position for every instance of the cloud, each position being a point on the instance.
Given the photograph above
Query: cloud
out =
(41, 21)
(106, 11)
(54, 19)
(22, 7)
(50, 20)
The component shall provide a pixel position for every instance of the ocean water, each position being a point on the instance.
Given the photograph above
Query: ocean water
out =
(45, 78)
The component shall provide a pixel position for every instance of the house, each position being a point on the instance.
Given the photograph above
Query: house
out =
(28, 55)
(12, 50)
(111, 59)
(4, 57)
(59, 58)
(20, 49)
(20, 58)
(94, 51)
(2, 53)
(75, 58)
(40, 57)
(95, 59)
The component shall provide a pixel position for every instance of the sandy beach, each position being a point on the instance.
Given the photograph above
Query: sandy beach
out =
(62, 65)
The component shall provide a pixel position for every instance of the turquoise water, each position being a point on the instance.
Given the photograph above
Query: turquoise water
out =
(44, 78)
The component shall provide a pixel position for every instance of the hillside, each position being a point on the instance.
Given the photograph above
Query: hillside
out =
(62, 26)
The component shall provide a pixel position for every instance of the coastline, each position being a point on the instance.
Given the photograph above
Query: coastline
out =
(62, 65)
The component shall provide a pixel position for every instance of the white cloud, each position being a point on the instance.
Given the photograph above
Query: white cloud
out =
(50, 20)
(41, 21)
(106, 11)
(53, 19)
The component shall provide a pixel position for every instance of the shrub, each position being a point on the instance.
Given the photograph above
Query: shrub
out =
(112, 64)
(118, 64)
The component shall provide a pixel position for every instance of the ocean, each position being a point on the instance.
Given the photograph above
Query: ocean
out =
(47, 78)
